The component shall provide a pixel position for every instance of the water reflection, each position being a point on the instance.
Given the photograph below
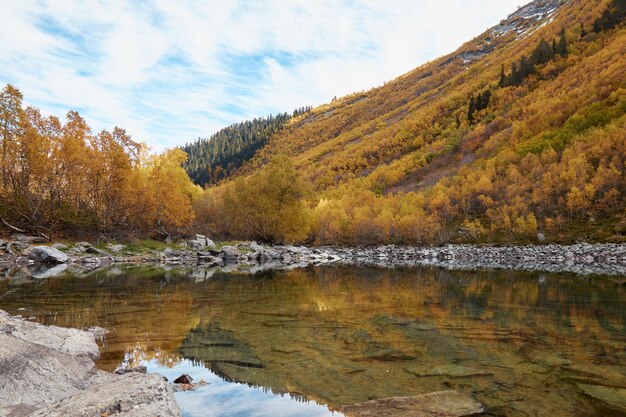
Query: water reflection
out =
(522, 343)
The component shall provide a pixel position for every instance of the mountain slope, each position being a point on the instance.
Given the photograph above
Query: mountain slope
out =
(414, 161)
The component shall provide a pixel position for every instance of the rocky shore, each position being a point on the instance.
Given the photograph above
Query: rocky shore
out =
(50, 371)
(25, 255)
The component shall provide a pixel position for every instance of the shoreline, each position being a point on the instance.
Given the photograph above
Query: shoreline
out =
(25, 255)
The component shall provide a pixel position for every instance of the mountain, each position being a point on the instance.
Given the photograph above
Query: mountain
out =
(517, 136)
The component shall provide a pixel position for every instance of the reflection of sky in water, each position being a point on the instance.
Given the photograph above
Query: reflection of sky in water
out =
(226, 399)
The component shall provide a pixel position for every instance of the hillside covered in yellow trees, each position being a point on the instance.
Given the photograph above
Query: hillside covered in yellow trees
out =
(518, 136)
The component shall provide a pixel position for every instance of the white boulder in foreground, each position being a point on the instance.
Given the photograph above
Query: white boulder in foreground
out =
(48, 254)
(49, 371)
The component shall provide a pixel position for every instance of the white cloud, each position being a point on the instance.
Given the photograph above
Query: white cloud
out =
(170, 71)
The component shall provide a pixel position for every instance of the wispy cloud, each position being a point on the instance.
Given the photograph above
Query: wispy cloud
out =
(171, 71)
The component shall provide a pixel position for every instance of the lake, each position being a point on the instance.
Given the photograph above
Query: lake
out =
(303, 341)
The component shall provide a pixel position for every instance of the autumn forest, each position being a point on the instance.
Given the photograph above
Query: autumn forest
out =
(517, 137)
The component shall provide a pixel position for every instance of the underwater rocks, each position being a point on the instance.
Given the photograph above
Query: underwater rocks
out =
(435, 404)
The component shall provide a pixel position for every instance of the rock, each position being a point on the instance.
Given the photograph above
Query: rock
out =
(49, 371)
(36, 375)
(230, 253)
(189, 387)
(450, 370)
(95, 251)
(73, 342)
(59, 246)
(98, 332)
(129, 369)
(116, 248)
(541, 237)
(84, 244)
(183, 379)
(613, 397)
(441, 404)
(48, 254)
(128, 395)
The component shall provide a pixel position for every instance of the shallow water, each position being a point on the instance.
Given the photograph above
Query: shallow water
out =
(300, 342)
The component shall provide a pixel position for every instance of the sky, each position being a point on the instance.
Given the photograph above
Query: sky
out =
(170, 71)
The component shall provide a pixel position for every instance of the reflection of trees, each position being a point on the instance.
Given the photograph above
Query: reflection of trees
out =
(342, 335)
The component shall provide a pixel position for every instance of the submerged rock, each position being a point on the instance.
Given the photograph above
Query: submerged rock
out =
(48, 254)
(440, 404)
(612, 397)
(183, 379)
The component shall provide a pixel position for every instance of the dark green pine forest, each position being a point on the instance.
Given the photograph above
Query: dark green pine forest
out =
(213, 159)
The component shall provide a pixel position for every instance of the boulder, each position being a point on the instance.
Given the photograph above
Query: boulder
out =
(48, 254)
(73, 342)
(440, 404)
(116, 248)
(183, 379)
(49, 371)
(131, 394)
(230, 253)
(130, 369)
(36, 375)
(95, 251)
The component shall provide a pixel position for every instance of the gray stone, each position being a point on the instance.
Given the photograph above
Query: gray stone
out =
(130, 369)
(95, 251)
(183, 379)
(37, 375)
(434, 404)
(230, 253)
(129, 395)
(49, 371)
(73, 342)
(48, 254)
(116, 248)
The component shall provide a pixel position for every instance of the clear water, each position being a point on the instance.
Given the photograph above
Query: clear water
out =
(301, 342)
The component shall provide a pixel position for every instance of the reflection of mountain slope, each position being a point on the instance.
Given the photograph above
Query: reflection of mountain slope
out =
(221, 352)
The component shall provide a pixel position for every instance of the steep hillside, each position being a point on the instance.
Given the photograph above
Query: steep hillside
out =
(520, 133)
